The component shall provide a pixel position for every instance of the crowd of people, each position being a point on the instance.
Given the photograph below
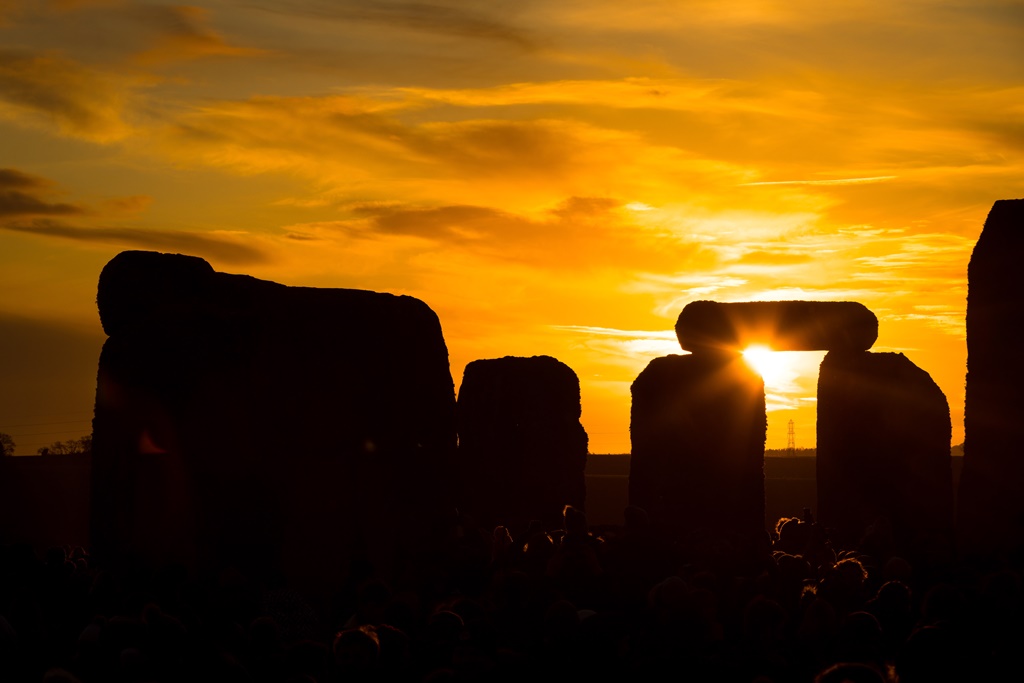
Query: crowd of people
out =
(623, 602)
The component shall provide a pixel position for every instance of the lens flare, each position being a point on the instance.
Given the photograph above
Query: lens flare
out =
(774, 367)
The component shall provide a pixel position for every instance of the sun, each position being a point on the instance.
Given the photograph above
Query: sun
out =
(774, 367)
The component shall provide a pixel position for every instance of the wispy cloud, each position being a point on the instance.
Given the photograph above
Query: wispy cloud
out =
(939, 258)
(833, 181)
(661, 335)
(226, 247)
(8, 10)
(450, 18)
(944, 317)
(51, 91)
(579, 233)
(22, 194)
(629, 348)
(183, 33)
(684, 288)
(341, 140)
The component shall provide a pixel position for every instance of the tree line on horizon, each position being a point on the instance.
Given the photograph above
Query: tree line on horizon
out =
(80, 446)
(957, 450)
(83, 446)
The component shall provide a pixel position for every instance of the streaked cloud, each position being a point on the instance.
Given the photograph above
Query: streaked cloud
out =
(479, 21)
(949, 319)
(182, 32)
(660, 335)
(228, 248)
(579, 233)
(933, 257)
(132, 204)
(342, 140)
(631, 349)
(8, 10)
(22, 194)
(834, 181)
(50, 91)
(776, 256)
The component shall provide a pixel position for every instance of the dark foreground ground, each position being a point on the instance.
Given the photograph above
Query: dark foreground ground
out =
(608, 601)
(789, 487)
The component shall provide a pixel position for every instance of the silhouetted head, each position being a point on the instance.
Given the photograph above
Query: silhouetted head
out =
(934, 653)
(851, 571)
(355, 651)
(561, 622)
(372, 600)
(444, 628)
(860, 638)
(60, 676)
(636, 518)
(394, 645)
(943, 602)
(792, 567)
(763, 620)
(893, 597)
(897, 569)
(850, 672)
(575, 521)
(794, 535)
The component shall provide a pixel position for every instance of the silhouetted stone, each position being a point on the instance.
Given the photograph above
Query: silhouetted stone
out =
(697, 427)
(782, 325)
(991, 501)
(137, 287)
(522, 449)
(281, 428)
(883, 448)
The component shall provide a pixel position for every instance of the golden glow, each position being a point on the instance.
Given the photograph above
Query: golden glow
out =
(560, 179)
(774, 367)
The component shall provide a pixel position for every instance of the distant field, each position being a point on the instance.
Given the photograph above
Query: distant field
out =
(784, 453)
(789, 484)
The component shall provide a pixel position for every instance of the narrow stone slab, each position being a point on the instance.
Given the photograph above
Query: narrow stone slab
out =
(990, 509)
(697, 429)
(781, 325)
(522, 449)
(883, 450)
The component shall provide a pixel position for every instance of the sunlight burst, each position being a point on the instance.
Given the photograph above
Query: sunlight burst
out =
(774, 367)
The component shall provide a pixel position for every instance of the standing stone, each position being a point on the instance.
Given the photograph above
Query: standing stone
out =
(990, 516)
(883, 449)
(697, 427)
(280, 429)
(522, 449)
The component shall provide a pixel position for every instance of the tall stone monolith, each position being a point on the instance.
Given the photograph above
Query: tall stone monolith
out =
(522, 449)
(990, 516)
(883, 449)
(286, 430)
(697, 428)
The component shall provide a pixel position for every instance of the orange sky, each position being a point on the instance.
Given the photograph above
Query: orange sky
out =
(550, 177)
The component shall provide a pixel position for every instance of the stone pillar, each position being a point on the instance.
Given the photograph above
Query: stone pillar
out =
(883, 448)
(698, 422)
(288, 429)
(697, 428)
(990, 517)
(522, 449)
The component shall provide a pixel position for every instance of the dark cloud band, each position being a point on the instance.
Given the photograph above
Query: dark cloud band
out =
(213, 246)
